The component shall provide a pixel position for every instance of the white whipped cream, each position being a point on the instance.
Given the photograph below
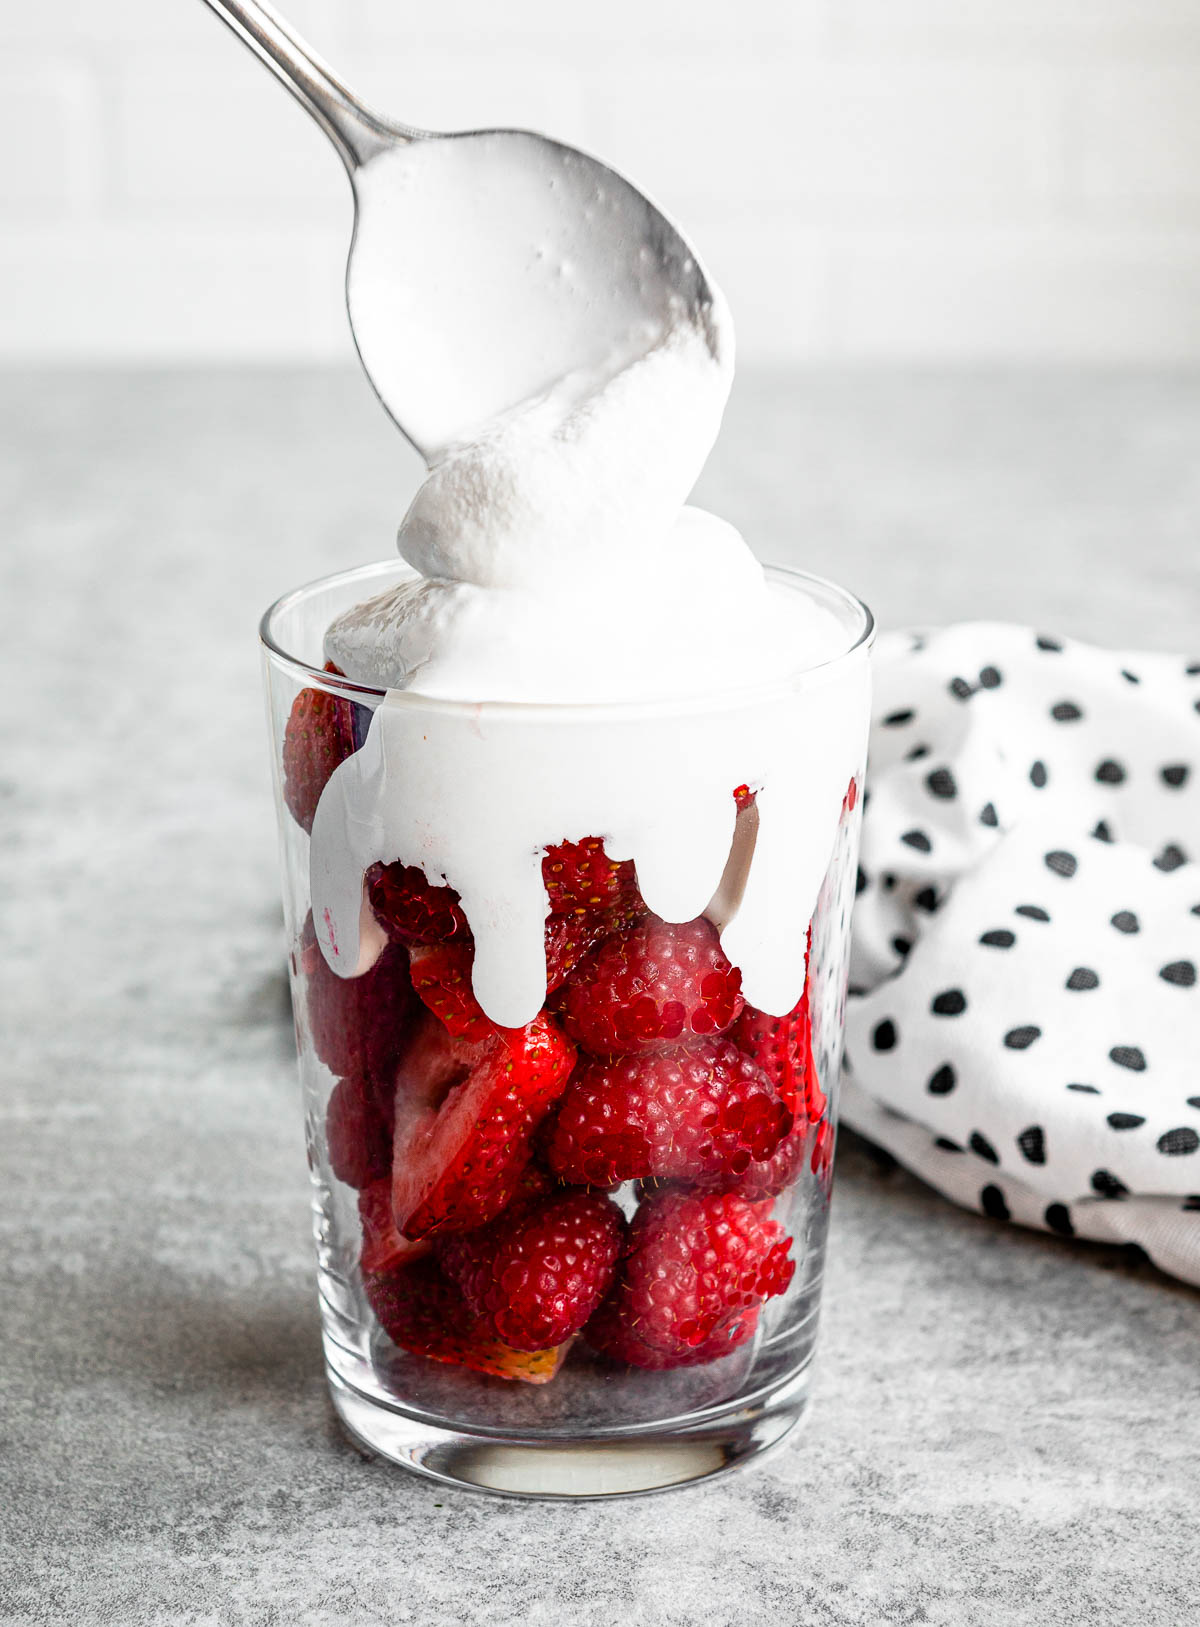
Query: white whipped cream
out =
(554, 562)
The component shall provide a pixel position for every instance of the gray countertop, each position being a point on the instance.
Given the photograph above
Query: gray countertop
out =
(1006, 1428)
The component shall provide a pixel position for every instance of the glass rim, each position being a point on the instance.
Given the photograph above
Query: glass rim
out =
(797, 580)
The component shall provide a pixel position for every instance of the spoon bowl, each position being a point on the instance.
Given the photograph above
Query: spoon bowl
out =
(487, 267)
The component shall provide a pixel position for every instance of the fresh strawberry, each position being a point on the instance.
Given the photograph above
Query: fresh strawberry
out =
(441, 977)
(465, 1116)
(652, 987)
(570, 939)
(744, 797)
(358, 1139)
(421, 1310)
(702, 1110)
(383, 1248)
(822, 1154)
(694, 1265)
(411, 908)
(580, 877)
(539, 1273)
(613, 1335)
(358, 1024)
(319, 735)
(780, 1046)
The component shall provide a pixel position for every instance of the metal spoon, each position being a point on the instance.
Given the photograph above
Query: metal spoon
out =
(487, 267)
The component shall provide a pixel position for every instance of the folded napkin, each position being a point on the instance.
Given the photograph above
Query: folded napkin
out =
(1023, 1030)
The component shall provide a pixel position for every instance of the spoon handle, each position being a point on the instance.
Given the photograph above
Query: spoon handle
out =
(356, 132)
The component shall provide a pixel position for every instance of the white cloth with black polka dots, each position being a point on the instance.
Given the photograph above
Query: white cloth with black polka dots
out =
(1023, 1030)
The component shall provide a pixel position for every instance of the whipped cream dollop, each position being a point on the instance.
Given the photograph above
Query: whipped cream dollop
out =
(554, 560)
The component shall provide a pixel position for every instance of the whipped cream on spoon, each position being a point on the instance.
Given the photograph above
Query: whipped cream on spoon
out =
(487, 268)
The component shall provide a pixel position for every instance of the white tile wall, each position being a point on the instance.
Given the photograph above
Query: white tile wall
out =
(941, 179)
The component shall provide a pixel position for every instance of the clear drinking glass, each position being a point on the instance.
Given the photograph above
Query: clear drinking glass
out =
(573, 1420)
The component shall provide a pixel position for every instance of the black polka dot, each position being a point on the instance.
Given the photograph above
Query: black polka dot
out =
(999, 938)
(901, 946)
(926, 899)
(1031, 912)
(989, 678)
(918, 840)
(1193, 669)
(894, 719)
(947, 1145)
(1058, 1219)
(1038, 774)
(1050, 645)
(1195, 910)
(1110, 772)
(1180, 972)
(1192, 1203)
(941, 784)
(916, 754)
(1130, 677)
(1085, 1090)
(982, 1147)
(1193, 1101)
(1083, 977)
(1177, 1143)
(1020, 1039)
(1126, 921)
(1125, 1121)
(991, 1201)
(1065, 712)
(1032, 1143)
(943, 1081)
(961, 689)
(1170, 858)
(889, 881)
(1128, 1056)
(1107, 1184)
(1175, 775)
(1062, 863)
(988, 815)
(884, 1037)
(950, 1003)
(1101, 831)
(860, 881)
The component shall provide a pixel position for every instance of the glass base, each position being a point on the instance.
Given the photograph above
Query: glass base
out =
(609, 1463)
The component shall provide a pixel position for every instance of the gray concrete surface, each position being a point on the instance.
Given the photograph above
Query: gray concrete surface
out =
(1007, 1427)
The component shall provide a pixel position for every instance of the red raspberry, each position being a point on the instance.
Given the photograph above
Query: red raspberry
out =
(422, 1311)
(651, 988)
(383, 1248)
(358, 1139)
(537, 1275)
(705, 1110)
(768, 1177)
(411, 909)
(358, 1024)
(465, 1116)
(319, 735)
(613, 1336)
(694, 1265)
(580, 877)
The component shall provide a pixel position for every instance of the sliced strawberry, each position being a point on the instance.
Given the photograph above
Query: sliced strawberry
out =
(465, 1116)
(694, 1265)
(655, 986)
(780, 1046)
(318, 735)
(704, 1110)
(411, 909)
(358, 1139)
(441, 977)
(422, 1311)
(580, 877)
(539, 1271)
(383, 1248)
(359, 1025)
